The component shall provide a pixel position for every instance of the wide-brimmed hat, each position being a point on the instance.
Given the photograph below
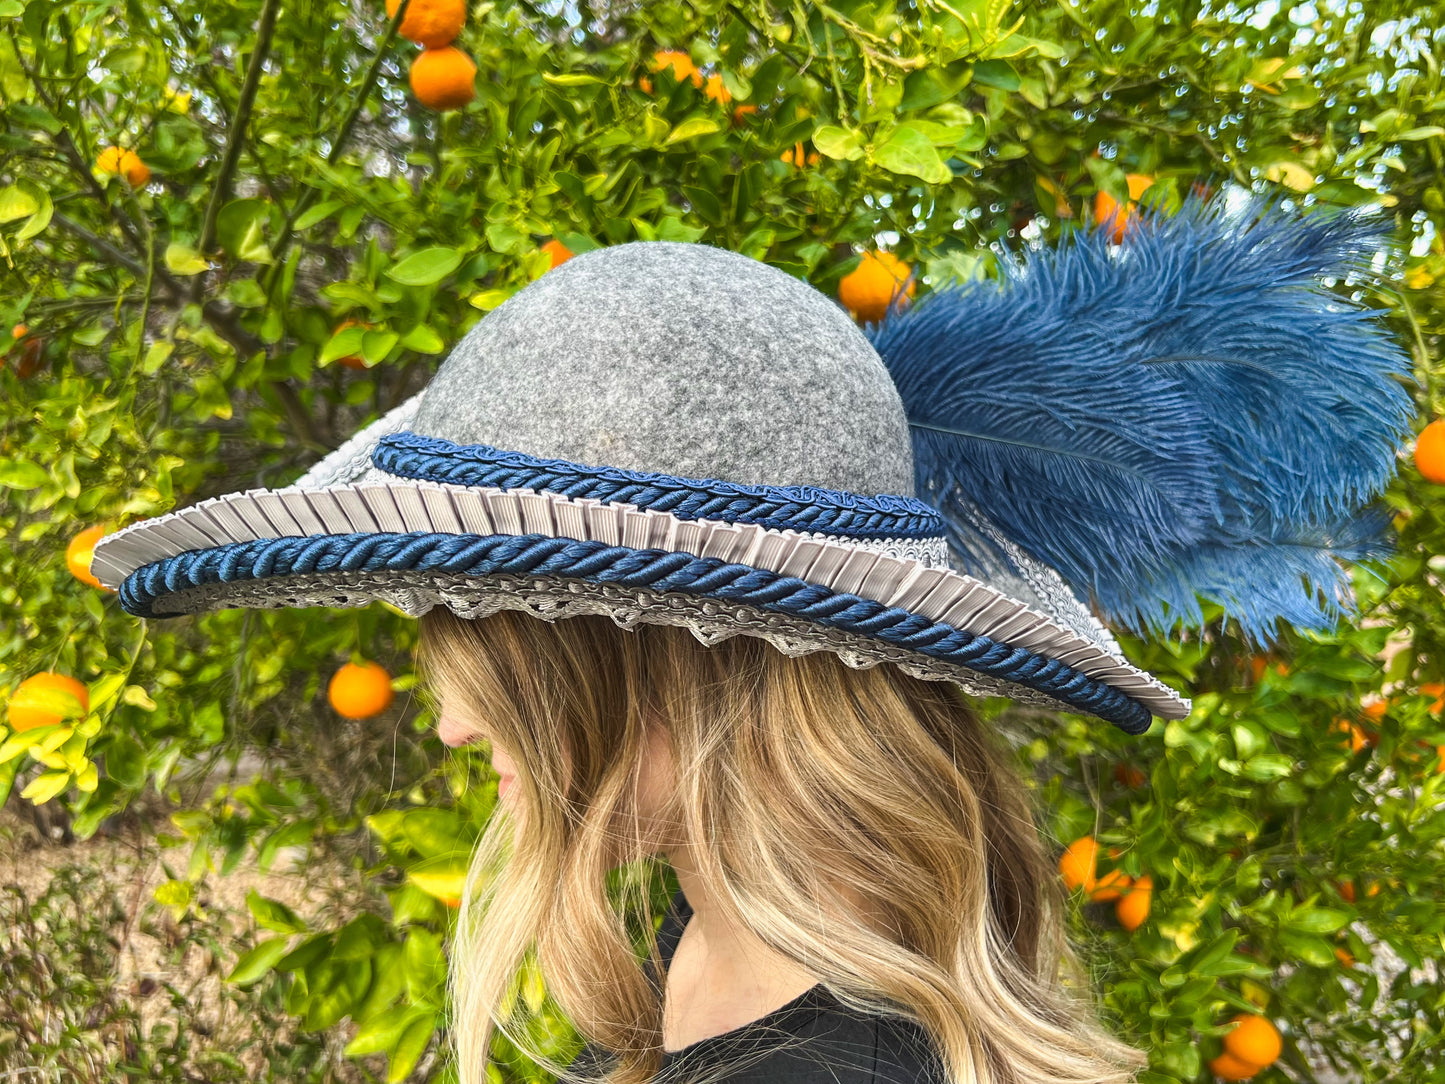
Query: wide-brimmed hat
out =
(676, 434)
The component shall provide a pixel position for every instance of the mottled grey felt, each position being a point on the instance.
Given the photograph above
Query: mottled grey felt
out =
(684, 359)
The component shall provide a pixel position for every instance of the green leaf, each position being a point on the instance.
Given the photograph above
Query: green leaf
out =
(45, 787)
(322, 210)
(908, 151)
(410, 1047)
(423, 340)
(22, 474)
(257, 962)
(155, 356)
(240, 228)
(273, 914)
(1317, 919)
(692, 128)
(426, 267)
(381, 1033)
(571, 79)
(838, 143)
(16, 203)
(342, 344)
(184, 260)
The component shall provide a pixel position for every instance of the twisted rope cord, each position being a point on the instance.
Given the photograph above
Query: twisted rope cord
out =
(801, 508)
(539, 555)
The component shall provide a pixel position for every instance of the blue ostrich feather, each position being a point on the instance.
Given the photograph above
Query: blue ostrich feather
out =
(1193, 412)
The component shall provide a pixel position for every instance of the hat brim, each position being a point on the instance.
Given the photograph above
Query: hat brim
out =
(476, 550)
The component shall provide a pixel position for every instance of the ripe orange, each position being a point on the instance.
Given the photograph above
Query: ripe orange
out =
(1345, 956)
(1376, 709)
(1133, 906)
(557, 252)
(1254, 1041)
(1106, 207)
(716, 90)
(1078, 863)
(1358, 738)
(871, 289)
(1228, 1067)
(79, 553)
(432, 23)
(46, 698)
(1430, 452)
(1349, 894)
(444, 78)
(360, 690)
(27, 351)
(124, 163)
(644, 84)
(795, 156)
(1127, 775)
(680, 63)
(741, 112)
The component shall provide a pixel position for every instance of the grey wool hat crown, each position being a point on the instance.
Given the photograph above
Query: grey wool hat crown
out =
(658, 433)
(683, 359)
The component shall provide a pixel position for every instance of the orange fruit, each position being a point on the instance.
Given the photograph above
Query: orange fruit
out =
(644, 84)
(716, 90)
(1228, 1067)
(1346, 958)
(1358, 739)
(79, 552)
(1430, 452)
(741, 112)
(444, 78)
(1376, 709)
(1106, 207)
(1078, 863)
(680, 64)
(1349, 894)
(557, 252)
(44, 699)
(27, 351)
(360, 690)
(1133, 906)
(1127, 775)
(796, 156)
(880, 281)
(1440, 756)
(124, 163)
(432, 23)
(1254, 1041)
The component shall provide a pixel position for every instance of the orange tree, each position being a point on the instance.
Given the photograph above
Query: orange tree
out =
(232, 233)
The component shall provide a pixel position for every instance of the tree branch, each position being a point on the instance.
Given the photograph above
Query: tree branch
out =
(307, 198)
(240, 120)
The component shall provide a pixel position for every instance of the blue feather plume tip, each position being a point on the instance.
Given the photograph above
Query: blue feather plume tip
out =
(1192, 413)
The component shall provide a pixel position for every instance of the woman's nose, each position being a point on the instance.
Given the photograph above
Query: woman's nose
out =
(453, 732)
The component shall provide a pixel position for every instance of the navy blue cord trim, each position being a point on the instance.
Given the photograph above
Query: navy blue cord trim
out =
(658, 570)
(801, 508)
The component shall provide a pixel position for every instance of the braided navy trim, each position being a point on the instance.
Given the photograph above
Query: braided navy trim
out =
(800, 508)
(658, 570)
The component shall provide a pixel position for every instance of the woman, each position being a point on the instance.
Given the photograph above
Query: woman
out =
(707, 483)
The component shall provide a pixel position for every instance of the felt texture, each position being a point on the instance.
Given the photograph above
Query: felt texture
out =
(682, 359)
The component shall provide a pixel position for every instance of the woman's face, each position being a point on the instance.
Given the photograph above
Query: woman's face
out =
(655, 783)
(456, 733)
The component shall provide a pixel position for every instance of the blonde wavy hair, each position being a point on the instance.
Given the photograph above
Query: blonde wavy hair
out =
(862, 823)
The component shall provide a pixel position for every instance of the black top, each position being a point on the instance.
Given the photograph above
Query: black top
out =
(813, 1039)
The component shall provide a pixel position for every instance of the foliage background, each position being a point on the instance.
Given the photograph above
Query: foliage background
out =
(190, 348)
